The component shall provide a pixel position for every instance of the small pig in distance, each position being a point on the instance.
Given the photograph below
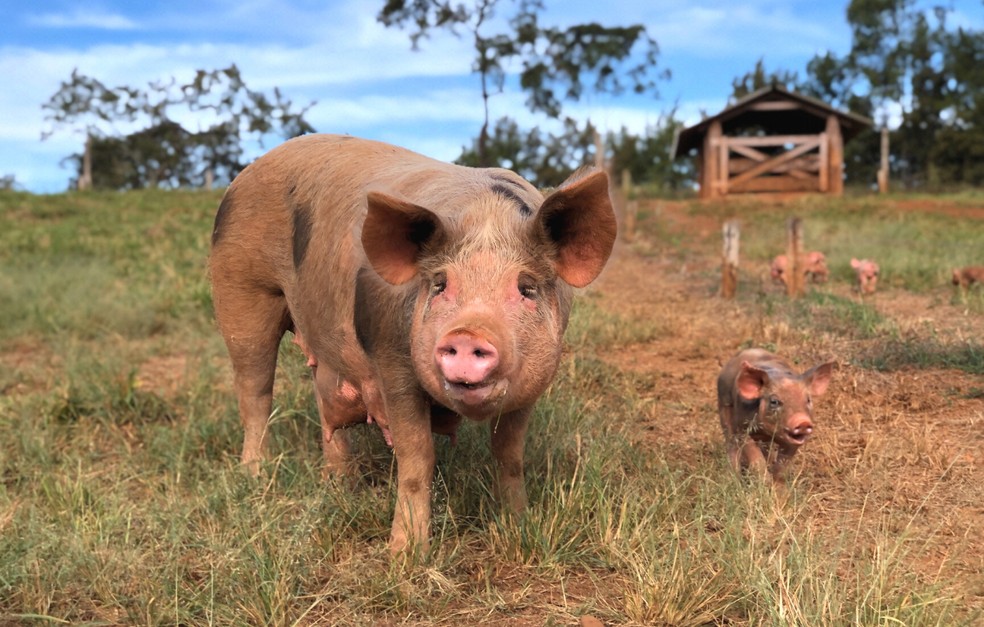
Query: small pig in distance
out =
(766, 409)
(813, 265)
(967, 276)
(867, 273)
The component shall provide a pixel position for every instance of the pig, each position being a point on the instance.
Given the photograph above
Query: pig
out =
(967, 276)
(867, 273)
(766, 409)
(813, 265)
(423, 291)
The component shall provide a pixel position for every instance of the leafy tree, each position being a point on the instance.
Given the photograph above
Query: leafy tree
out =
(759, 78)
(648, 158)
(162, 152)
(545, 159)
(555, 64)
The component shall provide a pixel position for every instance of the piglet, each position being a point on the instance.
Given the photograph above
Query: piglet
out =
(867, 272)
(967, 276)
(766, 409)
(813, 265)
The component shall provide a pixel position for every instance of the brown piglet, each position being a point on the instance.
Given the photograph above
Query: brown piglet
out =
(968, 275)
(766, 409)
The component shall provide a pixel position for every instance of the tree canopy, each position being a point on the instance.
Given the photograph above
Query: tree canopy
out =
(155, 150)
(553, 64)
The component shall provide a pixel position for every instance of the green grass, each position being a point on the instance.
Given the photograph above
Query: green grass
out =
(123, 503)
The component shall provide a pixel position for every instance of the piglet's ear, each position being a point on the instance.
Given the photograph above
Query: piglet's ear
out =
(751, 381)
(394, 234)
(578, 218)
(818, 377)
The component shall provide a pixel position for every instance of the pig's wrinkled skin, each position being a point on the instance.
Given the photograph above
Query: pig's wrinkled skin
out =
(766, 409)
(867, 273)
(967, 276)
(813, 265)
(423, 291)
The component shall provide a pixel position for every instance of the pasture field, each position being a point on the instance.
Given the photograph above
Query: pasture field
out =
(122, 503)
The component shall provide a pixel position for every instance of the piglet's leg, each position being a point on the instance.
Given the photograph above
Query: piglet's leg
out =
(753, 458)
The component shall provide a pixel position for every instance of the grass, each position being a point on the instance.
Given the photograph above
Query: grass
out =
(121, 499)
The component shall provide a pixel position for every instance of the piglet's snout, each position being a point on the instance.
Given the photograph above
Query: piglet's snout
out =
(466, 358)
(799, 427)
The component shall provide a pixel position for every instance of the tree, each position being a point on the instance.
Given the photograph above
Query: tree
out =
(759, 78)
(162, 152)
(545, 159)
(907, 59)
(554, 63)
(648, 158)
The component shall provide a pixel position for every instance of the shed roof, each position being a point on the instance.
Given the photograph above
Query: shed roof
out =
(776, 110)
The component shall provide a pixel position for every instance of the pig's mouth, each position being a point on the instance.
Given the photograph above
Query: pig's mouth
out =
(475, 395)
(798, 439)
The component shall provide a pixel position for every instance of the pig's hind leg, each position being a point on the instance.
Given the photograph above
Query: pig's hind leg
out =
(252, 323)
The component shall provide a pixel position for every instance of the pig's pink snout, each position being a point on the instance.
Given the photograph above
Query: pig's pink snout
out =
(799, 428)
(466, 358)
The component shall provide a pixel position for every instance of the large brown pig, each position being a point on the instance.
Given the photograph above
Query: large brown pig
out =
(766, 409)
(419, 288)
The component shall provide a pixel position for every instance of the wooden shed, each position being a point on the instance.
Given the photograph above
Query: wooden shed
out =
(772, 140)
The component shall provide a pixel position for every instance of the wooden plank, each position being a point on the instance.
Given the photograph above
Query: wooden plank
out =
(807, 164)
(775, 105)
(751, 153)
(824, 169)
(773, 140)
(729, 264)
(777, 184)
(723, 152)
(794, 246)
(766, 166)
(835, 156)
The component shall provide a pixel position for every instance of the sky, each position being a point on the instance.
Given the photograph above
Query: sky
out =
(364, 79)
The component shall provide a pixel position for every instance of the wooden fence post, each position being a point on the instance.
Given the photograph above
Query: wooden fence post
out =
(630, 207)
(794, 250)
(883, 169)
(729, 265)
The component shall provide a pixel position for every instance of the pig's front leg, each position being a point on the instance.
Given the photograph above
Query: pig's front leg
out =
(754, 458)
(508, 441)
(413, 446)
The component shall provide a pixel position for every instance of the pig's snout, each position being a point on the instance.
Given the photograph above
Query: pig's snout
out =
(799, 428)
(466, 359)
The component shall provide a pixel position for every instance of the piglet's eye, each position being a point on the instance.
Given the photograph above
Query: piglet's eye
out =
(774, 403)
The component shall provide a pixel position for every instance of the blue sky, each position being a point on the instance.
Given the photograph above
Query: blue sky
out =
(364, 78)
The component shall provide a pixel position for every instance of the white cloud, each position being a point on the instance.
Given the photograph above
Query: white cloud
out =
(81, 18)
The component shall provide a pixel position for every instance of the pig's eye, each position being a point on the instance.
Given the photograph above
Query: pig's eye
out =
(527, 288)
(774, 403)
(438, 284)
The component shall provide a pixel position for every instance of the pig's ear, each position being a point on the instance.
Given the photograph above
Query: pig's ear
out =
(819, 377)
(578, 218)
(751, 381)
(855, 263)
(394, 234)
